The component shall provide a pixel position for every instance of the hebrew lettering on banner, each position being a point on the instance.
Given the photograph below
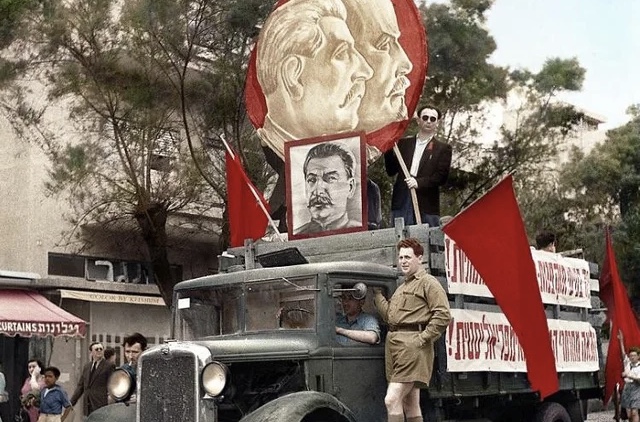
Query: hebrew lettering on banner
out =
(484, 341)
(562, 280)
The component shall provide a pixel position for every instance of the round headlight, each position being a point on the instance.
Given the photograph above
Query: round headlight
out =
(215, 377)
(120, 385)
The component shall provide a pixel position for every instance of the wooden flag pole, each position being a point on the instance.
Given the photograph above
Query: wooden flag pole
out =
(412, 191)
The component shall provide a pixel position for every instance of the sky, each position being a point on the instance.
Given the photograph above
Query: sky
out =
(603, 35)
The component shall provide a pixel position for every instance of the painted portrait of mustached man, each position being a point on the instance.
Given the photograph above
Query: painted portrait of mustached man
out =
(325, 67)
(325, 190)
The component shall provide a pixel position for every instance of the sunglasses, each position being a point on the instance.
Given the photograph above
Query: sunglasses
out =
(429, 118)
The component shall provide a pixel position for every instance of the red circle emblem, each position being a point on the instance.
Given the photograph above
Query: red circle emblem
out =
(410, 47)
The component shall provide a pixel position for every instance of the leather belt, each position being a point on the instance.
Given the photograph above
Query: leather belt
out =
(407, 327)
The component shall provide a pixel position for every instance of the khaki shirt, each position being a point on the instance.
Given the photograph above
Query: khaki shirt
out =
(419, 300)
(409, 354)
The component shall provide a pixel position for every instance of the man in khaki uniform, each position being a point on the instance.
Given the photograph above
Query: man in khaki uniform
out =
(417, 314)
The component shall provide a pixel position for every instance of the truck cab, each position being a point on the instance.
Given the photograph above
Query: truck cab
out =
(260, 335)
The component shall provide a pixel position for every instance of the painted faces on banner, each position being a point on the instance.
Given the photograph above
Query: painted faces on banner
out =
(311, 74)
(324, 67)
(377, 35)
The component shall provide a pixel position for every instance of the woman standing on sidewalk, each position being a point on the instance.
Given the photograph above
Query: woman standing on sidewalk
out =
(30, 392)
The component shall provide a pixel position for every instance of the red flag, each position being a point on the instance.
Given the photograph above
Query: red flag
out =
(606, 286)
(492, 235)
(619, 312)
(247, 220)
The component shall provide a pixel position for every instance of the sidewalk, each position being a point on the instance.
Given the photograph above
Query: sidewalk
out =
(605, 416)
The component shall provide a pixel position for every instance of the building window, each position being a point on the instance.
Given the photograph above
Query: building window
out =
(66, 265)
(165, 151)
(103, 269)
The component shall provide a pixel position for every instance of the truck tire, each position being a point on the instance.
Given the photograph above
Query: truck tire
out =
(118, 412)
(303, 406)
(577, 410)
(324, 415)
(551, 412)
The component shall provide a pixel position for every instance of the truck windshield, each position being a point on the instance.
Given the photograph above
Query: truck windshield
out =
(250, 307)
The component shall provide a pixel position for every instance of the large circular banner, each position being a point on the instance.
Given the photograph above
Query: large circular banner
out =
(325, 67)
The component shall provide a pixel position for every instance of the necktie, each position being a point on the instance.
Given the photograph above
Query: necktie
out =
(93, 367)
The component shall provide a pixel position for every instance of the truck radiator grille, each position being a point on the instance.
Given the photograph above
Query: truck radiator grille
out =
(168, 387)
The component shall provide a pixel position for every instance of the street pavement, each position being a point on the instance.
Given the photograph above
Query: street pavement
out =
(605, 416)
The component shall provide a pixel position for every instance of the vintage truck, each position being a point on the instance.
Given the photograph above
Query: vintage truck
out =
(257, 343)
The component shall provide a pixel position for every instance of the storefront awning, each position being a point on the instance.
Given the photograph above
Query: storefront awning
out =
(27, 313)
(112, 298)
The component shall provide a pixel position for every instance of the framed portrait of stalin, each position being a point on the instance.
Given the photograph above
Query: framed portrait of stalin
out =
(326, 188)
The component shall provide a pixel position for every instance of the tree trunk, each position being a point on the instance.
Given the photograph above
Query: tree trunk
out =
(153, 224)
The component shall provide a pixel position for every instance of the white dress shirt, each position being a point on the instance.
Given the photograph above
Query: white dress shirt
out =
(421, 145)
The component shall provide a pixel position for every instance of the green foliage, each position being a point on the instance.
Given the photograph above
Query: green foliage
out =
(603, 188)
(12, 13)
(73, 164)
(473, 9)
(627, 246)
(634, 110)
(563, 118)
(207, 65)
(244, 15)
(459, 75)
(8, 71)
(560, 74)
(610, 174)
(527, 145)
(377, 173)
(552, 205)
(142, 80)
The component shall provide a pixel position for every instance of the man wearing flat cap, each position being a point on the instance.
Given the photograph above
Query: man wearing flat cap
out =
(355, 327)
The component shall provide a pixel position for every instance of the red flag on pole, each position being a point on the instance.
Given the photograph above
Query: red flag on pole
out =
(247, 218)
(606, 285)
(619, 312)
(492, 235)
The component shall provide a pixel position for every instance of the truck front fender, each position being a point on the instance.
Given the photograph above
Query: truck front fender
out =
(118, 412)
(311, 406)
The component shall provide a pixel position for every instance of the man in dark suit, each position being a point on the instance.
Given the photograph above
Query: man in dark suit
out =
(93, 381)
(428, 161)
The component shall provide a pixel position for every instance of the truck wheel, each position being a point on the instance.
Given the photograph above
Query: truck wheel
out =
(551, 412)
(302, 406)
(577, 410)
(324, 415)
(118, 412)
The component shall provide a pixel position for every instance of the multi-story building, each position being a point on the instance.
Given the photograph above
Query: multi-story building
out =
(510, 114)
(110, 285)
